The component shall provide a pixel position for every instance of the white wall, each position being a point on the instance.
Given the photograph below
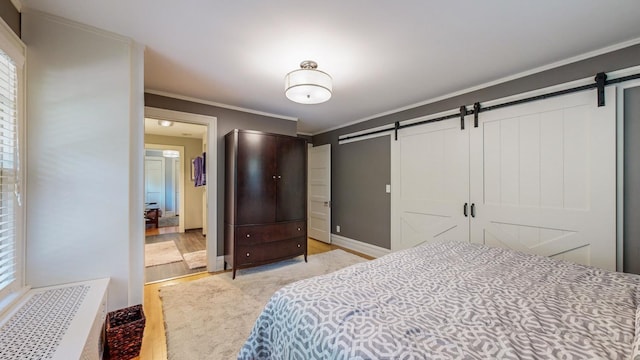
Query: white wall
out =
(84, 142)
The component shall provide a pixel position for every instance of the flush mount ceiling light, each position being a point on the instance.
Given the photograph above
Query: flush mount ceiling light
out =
(308, 85)
(165, 123)
(171, 153)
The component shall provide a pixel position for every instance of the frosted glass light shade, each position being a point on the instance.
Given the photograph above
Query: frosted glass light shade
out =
(171, 153)
(308, 86)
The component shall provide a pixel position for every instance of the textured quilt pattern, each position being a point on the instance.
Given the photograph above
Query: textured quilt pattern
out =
(452, 301)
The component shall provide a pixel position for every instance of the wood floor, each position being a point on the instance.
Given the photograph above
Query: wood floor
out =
(189, 241)
(154, 342)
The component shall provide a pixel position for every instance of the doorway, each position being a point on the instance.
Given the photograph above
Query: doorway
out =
(175, 214)
(164, 188)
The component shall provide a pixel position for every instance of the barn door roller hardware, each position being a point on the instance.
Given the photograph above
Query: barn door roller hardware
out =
(600, 83)
(476, 111)
(463, 113)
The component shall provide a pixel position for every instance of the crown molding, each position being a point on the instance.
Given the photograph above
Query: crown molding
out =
(79, 25)
(17, 4)
(225, 106)
(540, 69)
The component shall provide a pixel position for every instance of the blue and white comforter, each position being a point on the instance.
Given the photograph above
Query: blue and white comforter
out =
(453, 301)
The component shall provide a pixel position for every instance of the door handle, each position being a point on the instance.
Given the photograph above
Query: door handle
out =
(326, 203)
(464, 211)
(473, 210)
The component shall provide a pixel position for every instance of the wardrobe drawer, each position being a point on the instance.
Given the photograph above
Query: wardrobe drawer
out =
(257, 234)
(270, 251)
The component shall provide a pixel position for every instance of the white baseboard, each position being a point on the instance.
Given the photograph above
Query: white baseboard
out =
(219, 263)
(359, 246)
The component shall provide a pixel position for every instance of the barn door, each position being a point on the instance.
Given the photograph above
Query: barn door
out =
(430, 184)
(543, 178)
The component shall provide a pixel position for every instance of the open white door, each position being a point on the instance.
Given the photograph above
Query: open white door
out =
(319, 192)
(154, 181)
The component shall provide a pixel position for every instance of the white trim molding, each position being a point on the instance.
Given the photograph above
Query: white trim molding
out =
(219, 263)
(225, 106)
(359, 246)
(620, 170)
(212, 145)
(505, 79)
(17, 4)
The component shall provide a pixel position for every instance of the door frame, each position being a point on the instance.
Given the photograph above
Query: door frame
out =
(621, 88)
(176, 177)
(181, 183)
(214, 262)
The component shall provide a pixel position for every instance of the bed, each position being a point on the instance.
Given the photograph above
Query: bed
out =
(451, 300)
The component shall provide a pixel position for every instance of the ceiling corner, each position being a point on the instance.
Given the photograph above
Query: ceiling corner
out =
(17, 4)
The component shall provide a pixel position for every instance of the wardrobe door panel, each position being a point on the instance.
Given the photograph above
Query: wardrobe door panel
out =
(292, 180)
(256, 185)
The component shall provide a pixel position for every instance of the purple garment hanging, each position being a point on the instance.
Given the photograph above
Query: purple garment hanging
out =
(200, 174)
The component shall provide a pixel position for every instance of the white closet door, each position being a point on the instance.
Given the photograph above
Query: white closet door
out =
(430, 184)
(543, 178)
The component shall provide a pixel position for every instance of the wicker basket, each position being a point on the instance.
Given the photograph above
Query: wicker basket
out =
(124, 332)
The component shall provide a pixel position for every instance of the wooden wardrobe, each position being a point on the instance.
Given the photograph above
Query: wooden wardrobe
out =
(265, 198)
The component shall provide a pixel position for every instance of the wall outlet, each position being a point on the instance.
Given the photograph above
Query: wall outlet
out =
(337, 228)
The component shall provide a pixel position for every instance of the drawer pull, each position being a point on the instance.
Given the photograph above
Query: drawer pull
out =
(247, 254)
(299, 229)
(298, 245)
(248, 235)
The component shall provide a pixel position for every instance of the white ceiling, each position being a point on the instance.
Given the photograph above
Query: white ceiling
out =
(382, 55)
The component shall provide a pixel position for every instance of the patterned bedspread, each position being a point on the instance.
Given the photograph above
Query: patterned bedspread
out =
(453, 301)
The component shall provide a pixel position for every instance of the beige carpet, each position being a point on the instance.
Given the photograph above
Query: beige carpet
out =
(161, 253)
(196, 259)
(211, 318)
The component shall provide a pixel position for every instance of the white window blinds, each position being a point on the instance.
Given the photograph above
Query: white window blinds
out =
(9, 170)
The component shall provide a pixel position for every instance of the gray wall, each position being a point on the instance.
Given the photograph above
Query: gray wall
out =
(227, 121)
(632, 180)
(361, 193)
(10, 15)
(360, 215)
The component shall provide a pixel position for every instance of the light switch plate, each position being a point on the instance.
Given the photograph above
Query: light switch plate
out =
(388, 187)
